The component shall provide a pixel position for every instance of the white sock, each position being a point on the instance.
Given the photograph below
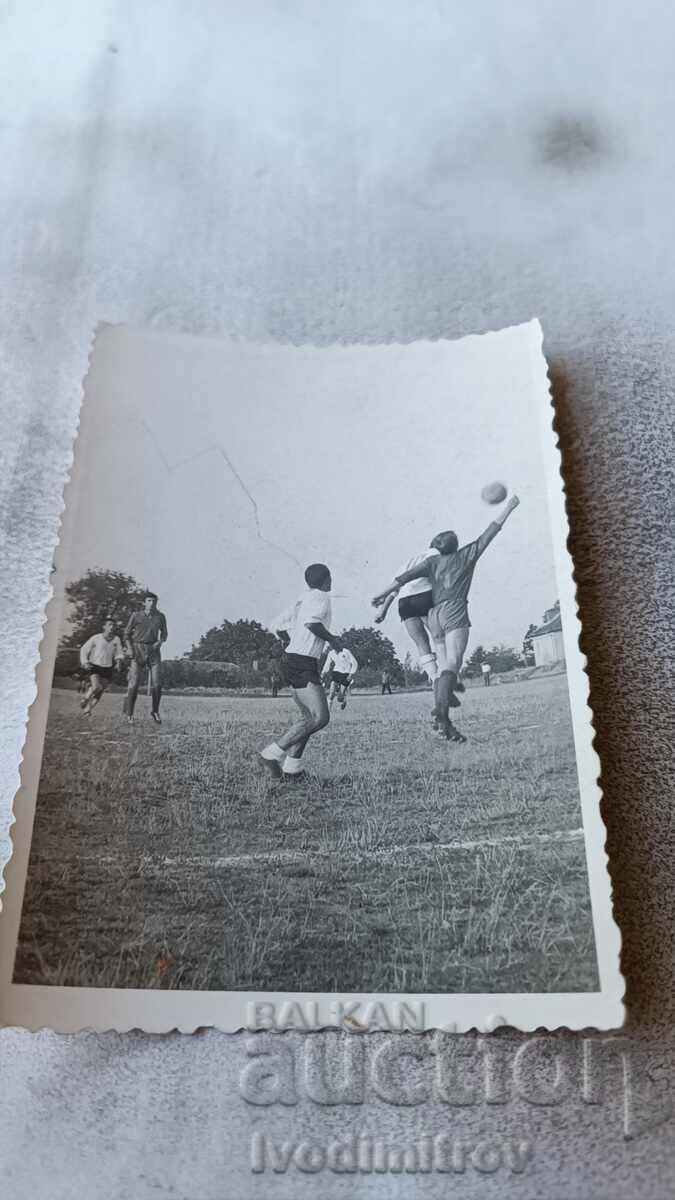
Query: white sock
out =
(429, 666)
(273, 751)
(292, 765)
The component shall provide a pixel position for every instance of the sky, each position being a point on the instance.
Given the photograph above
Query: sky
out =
(214, 472)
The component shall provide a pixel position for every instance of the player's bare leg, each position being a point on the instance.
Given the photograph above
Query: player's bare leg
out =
(273, 756)
(314, 715)
(133, 683)
(419, 635)
(155, 681)
(450, 654)
(96, 690)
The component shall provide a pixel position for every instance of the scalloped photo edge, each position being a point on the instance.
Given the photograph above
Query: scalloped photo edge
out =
(243, 525)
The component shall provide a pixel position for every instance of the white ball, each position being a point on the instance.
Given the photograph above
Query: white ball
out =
(493, 493)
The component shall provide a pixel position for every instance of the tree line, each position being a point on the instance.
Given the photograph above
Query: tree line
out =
(243, 651)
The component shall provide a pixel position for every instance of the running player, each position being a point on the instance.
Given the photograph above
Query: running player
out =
(339, 671)
(144, 635)
(450, 574)
(414, 603)
(98, 657)
(304, 629)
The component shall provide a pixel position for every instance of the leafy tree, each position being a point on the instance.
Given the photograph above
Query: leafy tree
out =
(412, 674)
(473, 662)
(373, 652)
(97, 595)
(528, 649)
(502, 658)
(242, 642)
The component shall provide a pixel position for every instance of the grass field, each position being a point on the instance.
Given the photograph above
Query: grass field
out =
(162, 857)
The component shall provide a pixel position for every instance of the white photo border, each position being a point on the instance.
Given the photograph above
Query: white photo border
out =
(71, 1009)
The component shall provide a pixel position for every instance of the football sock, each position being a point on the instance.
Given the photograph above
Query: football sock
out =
(273, 751)
(428, 665)
(292, 766)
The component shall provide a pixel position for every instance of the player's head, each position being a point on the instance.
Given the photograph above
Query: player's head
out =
(446, 542)
(108, 627)
(318, 576)
(149, 602)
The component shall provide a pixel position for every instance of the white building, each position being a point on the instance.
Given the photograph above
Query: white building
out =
(547, 642)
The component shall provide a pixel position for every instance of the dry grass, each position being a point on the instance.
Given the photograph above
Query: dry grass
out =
(163, 858)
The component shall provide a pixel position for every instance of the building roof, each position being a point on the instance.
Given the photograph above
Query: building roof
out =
(552, 626)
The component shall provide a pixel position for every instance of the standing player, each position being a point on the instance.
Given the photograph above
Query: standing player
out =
(414, 603)
(486, 671)
(304, 629)
(386, 683)
(98, 656)
(144, 635)
(275, 679)
(339, 670)
(450, 574)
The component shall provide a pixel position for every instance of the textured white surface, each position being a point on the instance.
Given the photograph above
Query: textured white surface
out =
(357, 171)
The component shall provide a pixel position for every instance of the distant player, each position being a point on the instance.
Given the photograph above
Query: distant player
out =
(486, 672)
(144, 636)
(414, 603)
(304, 629)
(386, 683)
(276, 680)
(450, 574)
(338, 671)
(98, 658)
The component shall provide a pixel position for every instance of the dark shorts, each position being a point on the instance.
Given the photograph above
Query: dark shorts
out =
(301, 669)
(414, 606)
(340, 678)
(102, 672)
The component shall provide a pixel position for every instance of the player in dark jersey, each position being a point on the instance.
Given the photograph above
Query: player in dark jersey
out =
(144, 636)
(450, 573)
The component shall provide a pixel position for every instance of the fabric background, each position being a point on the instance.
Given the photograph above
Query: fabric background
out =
(356, 171)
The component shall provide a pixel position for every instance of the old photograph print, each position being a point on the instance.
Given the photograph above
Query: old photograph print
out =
(309, 727)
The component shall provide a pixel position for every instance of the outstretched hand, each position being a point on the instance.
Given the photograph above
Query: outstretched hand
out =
(380, 599)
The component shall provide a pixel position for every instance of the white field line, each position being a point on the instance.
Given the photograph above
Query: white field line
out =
(284, 856)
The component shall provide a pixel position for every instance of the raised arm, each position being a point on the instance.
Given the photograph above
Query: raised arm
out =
(419, 572)
(481, 543)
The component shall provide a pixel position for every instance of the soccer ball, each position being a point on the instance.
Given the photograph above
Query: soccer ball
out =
(493, 493)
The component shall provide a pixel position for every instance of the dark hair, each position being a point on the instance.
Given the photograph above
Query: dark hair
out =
(151, 596)
(108, 618)
(448, 539)
(316, 574)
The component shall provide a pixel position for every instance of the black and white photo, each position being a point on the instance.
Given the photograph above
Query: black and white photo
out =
(312, 715)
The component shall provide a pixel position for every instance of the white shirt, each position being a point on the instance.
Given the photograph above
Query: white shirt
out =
(99, 652)
(313, 606)
(344, 662)
(485, 668)
(416, 586)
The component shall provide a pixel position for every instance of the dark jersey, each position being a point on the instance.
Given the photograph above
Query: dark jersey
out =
(450, 576)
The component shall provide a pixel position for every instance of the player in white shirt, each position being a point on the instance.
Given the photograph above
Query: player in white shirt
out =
(414, 604)
(305, 629)
(339, 670)
(98, 657)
